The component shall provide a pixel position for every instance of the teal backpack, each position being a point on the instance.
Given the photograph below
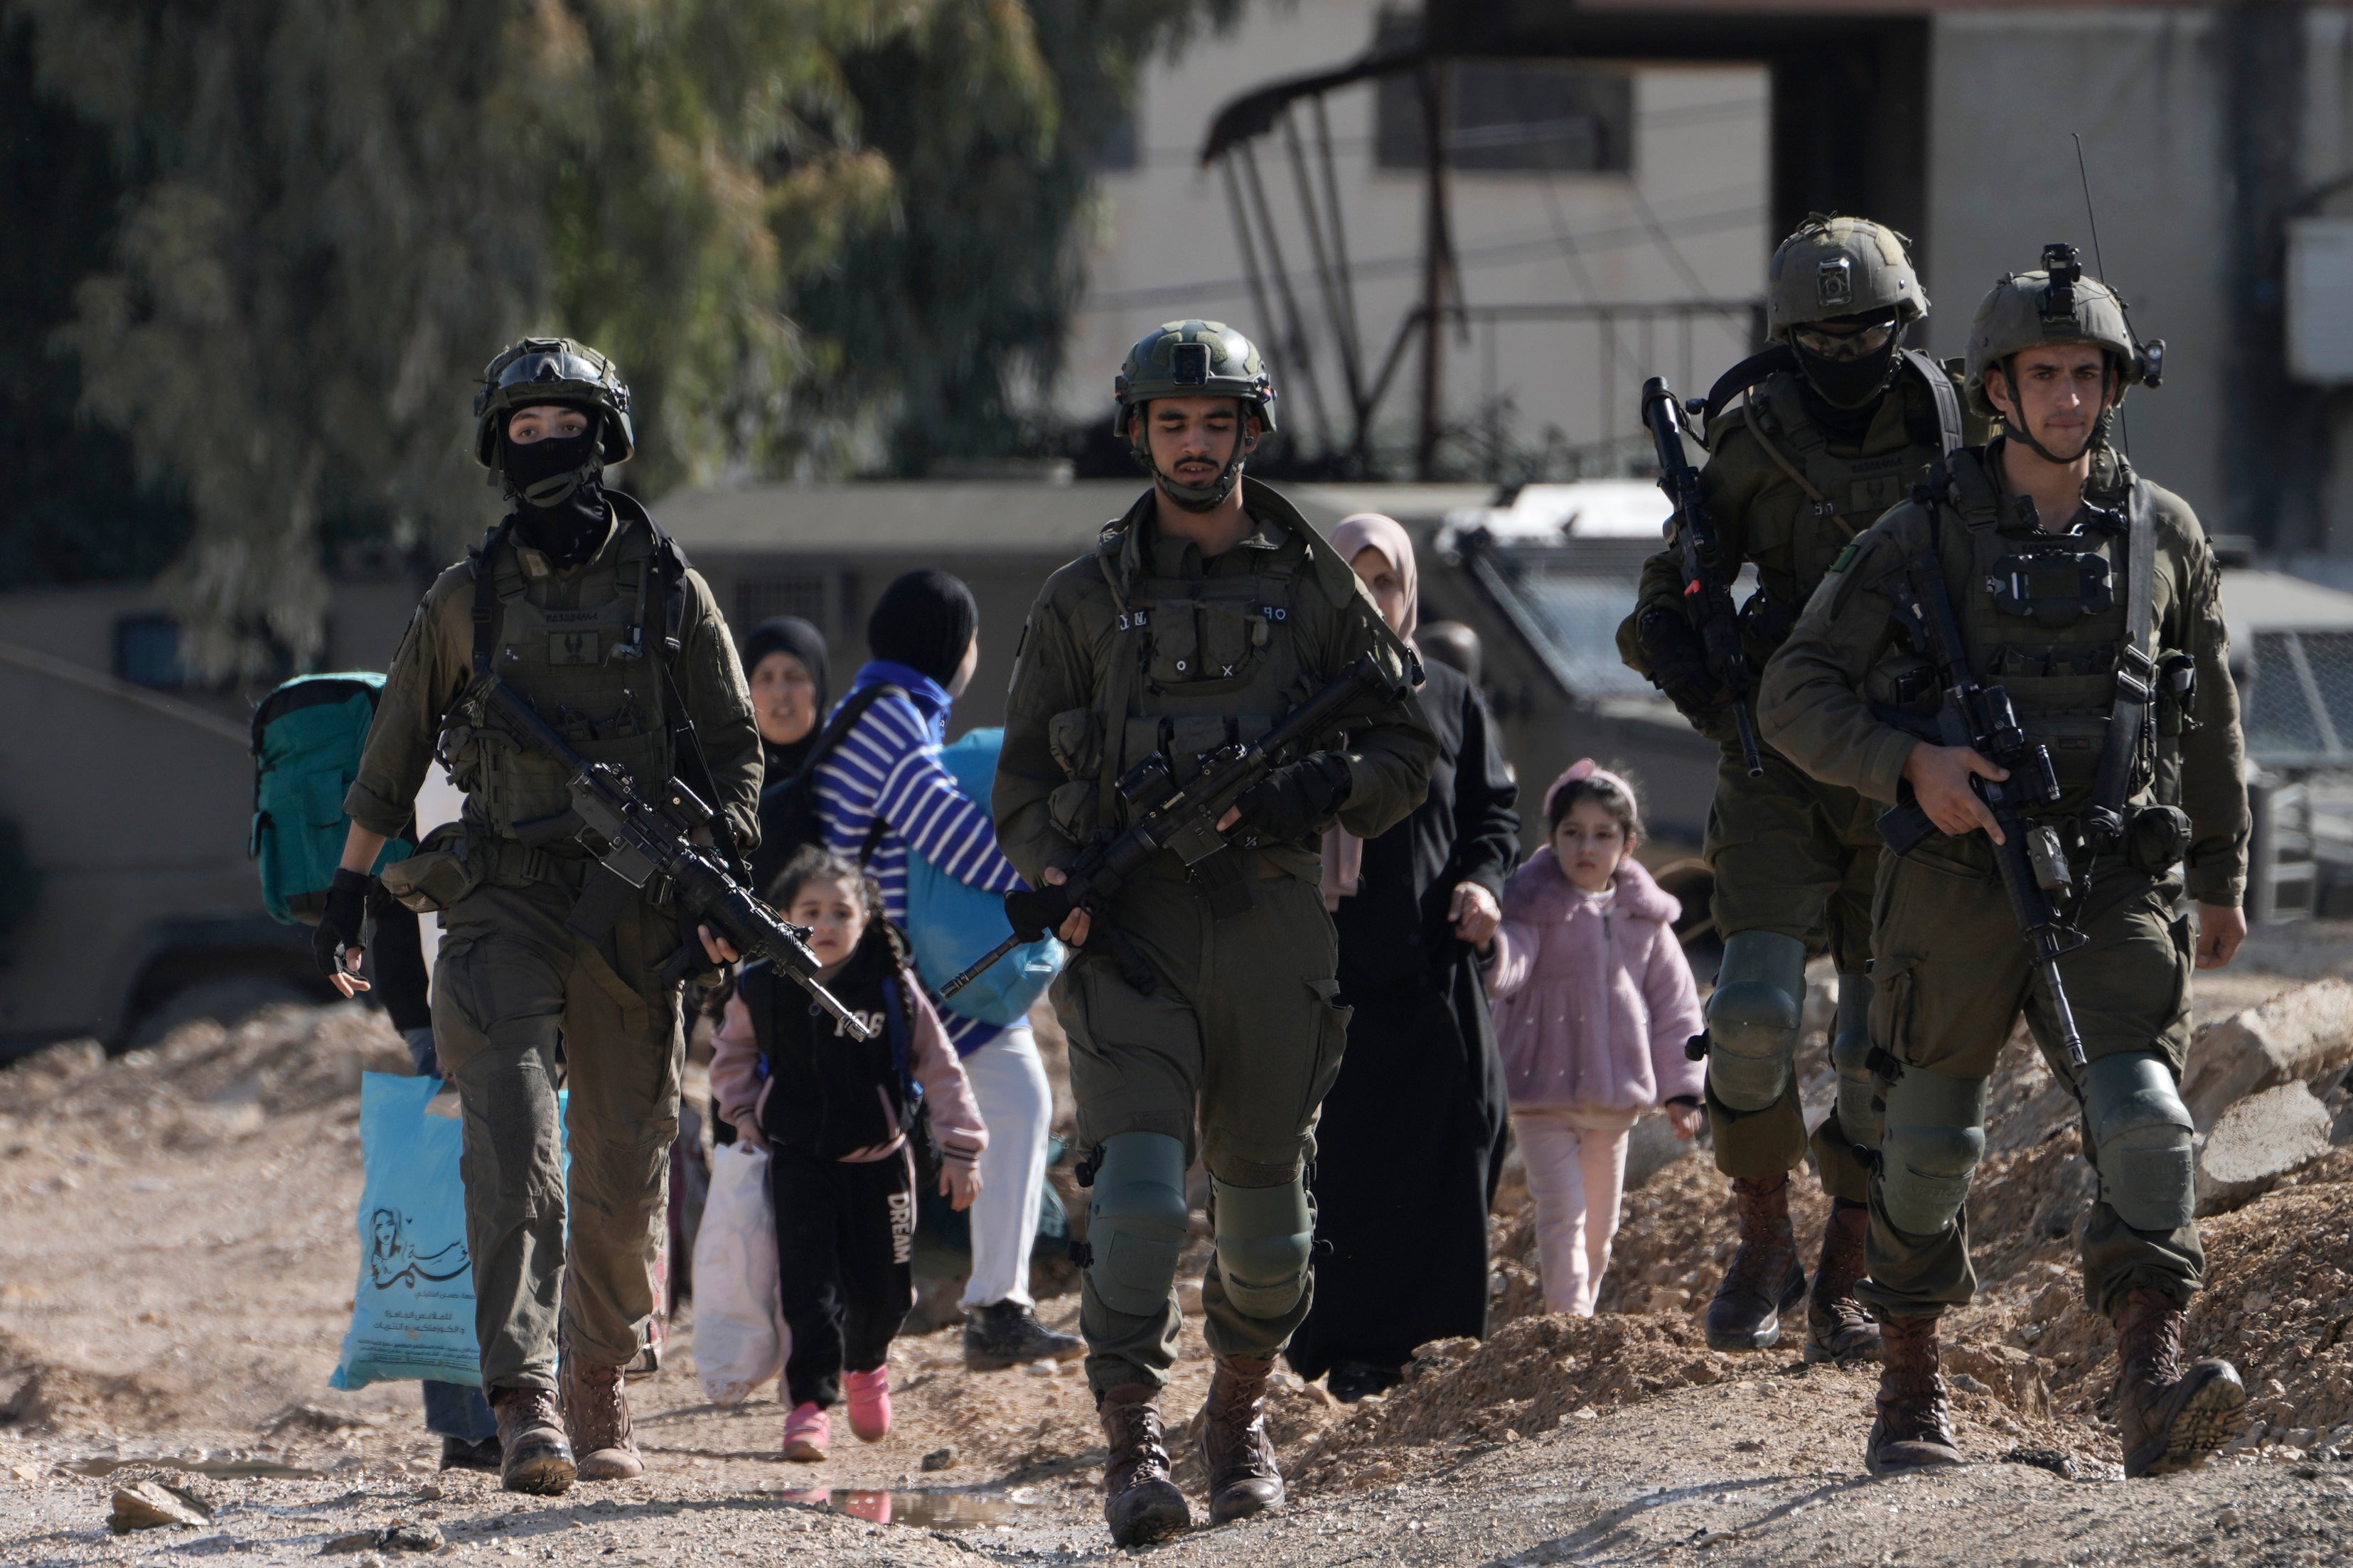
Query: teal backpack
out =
(952, 923)
(307, 738)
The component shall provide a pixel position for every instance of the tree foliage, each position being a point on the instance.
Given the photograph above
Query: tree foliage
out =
(75, 510)
(779, 216)
(344, 207)
(994, 115)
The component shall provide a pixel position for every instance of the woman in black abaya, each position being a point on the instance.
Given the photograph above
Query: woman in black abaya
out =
(1411, 1140)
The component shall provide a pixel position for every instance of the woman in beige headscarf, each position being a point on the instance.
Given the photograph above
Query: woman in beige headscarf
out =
(1414, 908)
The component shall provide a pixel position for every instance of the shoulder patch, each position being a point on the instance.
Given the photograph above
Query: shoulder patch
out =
(1846, 557)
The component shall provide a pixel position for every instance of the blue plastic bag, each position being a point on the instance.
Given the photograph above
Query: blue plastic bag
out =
(413, 1311)
(953, 923)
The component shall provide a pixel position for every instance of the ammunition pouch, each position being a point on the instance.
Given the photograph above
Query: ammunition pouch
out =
(2156, 839)
(446, 868)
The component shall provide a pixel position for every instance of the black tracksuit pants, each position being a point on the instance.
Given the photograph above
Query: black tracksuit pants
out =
(845, 1246)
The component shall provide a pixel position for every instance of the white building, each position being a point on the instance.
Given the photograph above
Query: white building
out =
(1589, 183)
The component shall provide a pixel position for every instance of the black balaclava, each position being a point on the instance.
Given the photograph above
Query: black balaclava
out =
(924, 620)
(1850, 383)
(792, 635)
(559, 498)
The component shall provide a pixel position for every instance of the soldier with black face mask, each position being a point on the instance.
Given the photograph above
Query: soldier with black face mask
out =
(578, 603)
(1833, 424)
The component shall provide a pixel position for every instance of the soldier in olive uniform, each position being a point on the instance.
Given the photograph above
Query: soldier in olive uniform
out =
(1836, 422)
(2091, 596)
(1206, 613)
(581, 603)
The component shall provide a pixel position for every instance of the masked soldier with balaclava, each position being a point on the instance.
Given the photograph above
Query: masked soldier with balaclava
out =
(578, 602)
(1204, 613)
(2089, 595)
(1835, 422)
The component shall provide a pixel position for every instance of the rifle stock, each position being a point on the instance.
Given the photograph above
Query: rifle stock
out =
(1707, 590)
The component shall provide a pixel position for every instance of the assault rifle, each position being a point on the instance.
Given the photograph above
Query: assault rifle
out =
(643, 839)
(1707, 590)
(2033, 861)
(1185, 819)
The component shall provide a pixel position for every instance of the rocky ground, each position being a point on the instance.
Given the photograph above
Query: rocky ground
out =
(180, 1245)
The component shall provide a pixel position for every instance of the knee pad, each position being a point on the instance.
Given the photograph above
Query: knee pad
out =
(1265, 1235)
(1850, 1055)
(1136, 1221)
(1754, 1018)
(2142, 1141)
(1929, 1148)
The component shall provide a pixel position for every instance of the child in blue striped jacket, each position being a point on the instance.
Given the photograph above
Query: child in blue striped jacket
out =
(883, 791)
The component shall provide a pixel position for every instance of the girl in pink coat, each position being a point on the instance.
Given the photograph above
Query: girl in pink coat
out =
(1593, 1003)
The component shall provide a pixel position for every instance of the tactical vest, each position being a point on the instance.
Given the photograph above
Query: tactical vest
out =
(2046, 616)
(1844, 495)
(584, 652)
(1213, 658)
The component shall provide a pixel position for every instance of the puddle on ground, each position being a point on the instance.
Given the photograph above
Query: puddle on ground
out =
(930, 1510)
(227, 1466)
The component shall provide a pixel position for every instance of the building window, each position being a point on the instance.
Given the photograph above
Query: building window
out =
(803, 594)
(147, 652)
(1509, 116)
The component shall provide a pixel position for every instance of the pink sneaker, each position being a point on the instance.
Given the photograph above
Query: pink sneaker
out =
(808, 1431)
(869, 1403)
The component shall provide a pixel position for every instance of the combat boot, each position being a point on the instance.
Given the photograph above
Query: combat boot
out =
(1141, 1504)
(597, 1412)
(1007, 1333)
(2169, 1417)
(1914, 1428)
(1837, 1328)
(1235, 1449)
(532, 1455)
(1765, 1279)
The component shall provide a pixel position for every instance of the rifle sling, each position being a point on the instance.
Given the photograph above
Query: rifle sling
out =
(2136, 662)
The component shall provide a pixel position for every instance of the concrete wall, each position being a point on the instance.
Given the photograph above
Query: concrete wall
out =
(2147, 89)
(2143, 90)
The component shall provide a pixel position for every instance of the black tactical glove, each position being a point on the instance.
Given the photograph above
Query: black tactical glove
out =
(1035, 912)
(1678, 662)
(1289, 802)
(340, 924)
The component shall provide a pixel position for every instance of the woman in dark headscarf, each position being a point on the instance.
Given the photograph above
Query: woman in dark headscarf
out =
(785, 661)
(1411, 1140)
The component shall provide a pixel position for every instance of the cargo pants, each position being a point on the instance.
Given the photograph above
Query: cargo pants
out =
(1243, 1038)
(1952, 976)
(510, 982)
(1796, 858)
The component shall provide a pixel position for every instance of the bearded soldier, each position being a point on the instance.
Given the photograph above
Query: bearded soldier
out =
(2041, 566)
(581, 605)
(1201, 617)
(1836, 421)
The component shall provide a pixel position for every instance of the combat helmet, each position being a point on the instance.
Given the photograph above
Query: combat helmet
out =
(2055, 305)
(1192, 359)
(554, 370)
(1836, 266)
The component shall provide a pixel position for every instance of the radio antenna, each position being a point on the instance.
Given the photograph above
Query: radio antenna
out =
(2082, 173)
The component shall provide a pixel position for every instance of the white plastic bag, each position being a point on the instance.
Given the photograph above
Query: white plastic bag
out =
(740, 1338)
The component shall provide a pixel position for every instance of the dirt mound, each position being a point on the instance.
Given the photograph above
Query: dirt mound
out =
(204, 1083)
(37, 1394)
